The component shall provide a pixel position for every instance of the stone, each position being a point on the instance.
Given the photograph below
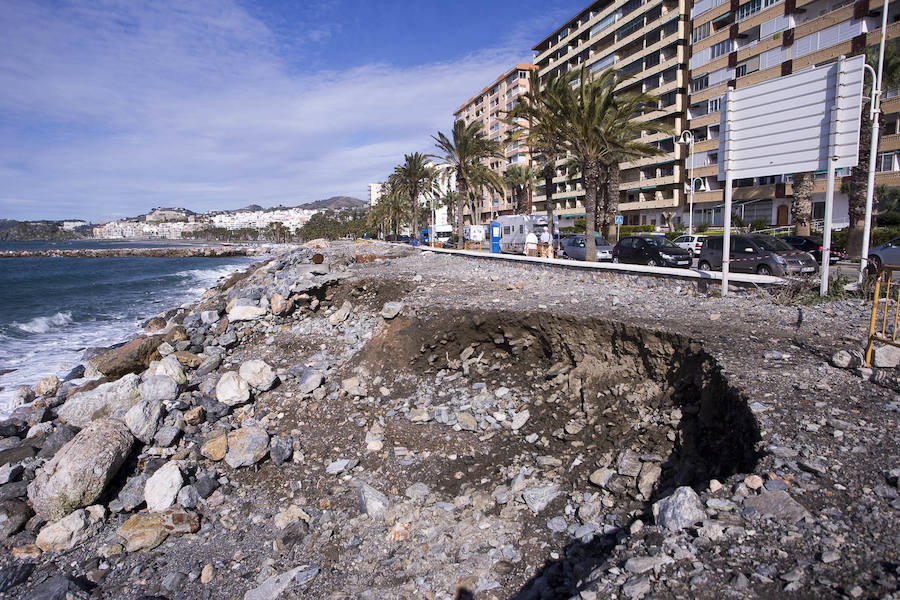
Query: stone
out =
(649, 475)
(178, 522)
(417, 491)
(168, 367)
(778, 504)
(601, 477)
(842, 359)
(642, 564)
(61, 587)
(173, 581)
(56, 440)
(132, 357)
(628, 463)
(111, 399)
(637, 587)
(232, 389)
(22, 395)
(14, 574)
(391, 310)
(209, 364)
(208, 317)
(246, 446)
(159, 388)
(246, 313)
(47, 386)
(215, 448)
(195, 415)
(188, 497)
(71, 529)
(310, 381)
(205, 486)
(354, 387)
(519, 420)
(680, 510)
(131, 495)
(79, 473)
(886, 357)
(538, 497)
(281, 449)
(207, 573)
(188, 359)
(143, 419)
(753, 482)
(143, 531)
(280, 305)
(162, 487)
(341, 314)
(154, 324)
(166, 436)
(13, 516)
(466, 421)
(371, 501)
(274, 586)
(258, 374)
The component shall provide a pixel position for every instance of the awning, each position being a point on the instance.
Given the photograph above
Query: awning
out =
(723, 17)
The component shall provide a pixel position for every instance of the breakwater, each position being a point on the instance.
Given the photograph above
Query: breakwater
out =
(159, 252)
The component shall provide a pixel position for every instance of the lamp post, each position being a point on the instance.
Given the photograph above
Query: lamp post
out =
(873, 148)
(687, 137)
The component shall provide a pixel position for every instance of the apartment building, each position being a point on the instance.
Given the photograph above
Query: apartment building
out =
(374, 193)
(647, 40)
(740, 43)
(490, 106)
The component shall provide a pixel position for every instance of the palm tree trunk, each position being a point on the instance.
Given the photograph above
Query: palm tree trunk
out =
(549, 168)
(801, 205)
(859, 181)
(460, 203)
(591, 178)
(611, 199)
(415, 215)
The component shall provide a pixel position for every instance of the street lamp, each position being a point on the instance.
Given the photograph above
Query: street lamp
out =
(687, 137)
(873, 149)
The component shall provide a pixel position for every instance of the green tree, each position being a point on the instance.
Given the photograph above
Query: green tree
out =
(597, 126)
(415, 178)
(461, 156)
(520, 179)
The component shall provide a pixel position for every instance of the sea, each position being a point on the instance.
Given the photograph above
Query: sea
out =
(52, 309)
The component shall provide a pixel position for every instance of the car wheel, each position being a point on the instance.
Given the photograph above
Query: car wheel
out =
(651, 262)
(705, 266)
(764, 270)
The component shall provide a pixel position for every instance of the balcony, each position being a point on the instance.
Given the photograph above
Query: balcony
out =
(889, 142)
(672, 202)
(649, 183)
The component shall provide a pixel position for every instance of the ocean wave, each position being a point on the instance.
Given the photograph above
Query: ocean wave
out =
(45, 324)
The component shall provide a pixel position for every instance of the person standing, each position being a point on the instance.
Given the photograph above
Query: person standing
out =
(531, 244)
(546, 243)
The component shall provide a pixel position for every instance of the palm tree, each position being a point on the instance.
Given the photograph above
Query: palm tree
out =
(801, 204)
(462, 156)
(596, 126)
(859, 175)
(520, 179)
(392, 209)
(415, 178)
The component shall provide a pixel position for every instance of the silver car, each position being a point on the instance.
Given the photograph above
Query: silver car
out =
(886, 254)
(573, 246)
(691, 243)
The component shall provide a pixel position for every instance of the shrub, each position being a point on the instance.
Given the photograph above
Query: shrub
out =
(889, 219)
(758, 224)
(632, 229)
(702, 228)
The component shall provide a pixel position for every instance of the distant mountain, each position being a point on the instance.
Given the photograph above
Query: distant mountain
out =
(336, 203)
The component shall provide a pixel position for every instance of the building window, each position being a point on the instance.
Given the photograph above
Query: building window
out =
(740, 71)
(700, 83)
(749, 8)
(721, 49)
(714, 104)
(701, 32)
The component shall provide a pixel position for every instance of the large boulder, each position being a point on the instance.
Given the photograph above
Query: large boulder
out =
(232, 389)
(47, 386)
(159, 388)
(245, 313)
(111, 399)
(143, 419)
(680, 510)
(168, 367)
(71, 529)
(133, 357)
(258, 374)
(79, 473)
(162, 488)
(246, 446)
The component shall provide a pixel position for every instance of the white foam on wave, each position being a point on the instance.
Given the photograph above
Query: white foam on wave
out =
(45, 324)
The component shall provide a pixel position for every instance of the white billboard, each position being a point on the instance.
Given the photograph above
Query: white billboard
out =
(783, 125)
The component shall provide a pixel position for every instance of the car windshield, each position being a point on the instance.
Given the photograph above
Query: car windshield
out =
(600, 241)
(772, 244)
(659, 242)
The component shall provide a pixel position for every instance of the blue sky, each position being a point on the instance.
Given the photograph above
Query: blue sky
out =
(110, 108)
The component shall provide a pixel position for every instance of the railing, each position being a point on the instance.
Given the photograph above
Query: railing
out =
(888, 316)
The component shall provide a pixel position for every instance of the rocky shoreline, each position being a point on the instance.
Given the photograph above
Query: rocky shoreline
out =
(403, 424)
(162, 252)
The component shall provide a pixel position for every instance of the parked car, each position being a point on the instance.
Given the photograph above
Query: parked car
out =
(885, 254)
(653, 251)
(814, 246)
(757, 253)
(573, 246)
(691, 243)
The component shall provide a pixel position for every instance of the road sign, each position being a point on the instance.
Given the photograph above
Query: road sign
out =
(620, 220)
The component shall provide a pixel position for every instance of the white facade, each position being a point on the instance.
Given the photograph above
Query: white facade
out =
(70, 225)
(374, 193)
(291, 218)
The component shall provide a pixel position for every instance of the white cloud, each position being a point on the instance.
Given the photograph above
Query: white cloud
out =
(113, 108)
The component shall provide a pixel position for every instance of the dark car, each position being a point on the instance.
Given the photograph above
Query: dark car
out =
(887, 253)
(573, 246)
(653, 251)
(813, 245)
(757, 253)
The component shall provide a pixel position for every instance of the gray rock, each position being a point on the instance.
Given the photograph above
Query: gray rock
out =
(637, 587)
(354, 387)
(274, 586)
(538, 497)
(14, 574)
(417, 491)
(337, 466)
(281, 450)
(642, 564)
(173, 581)
(886, 357)
(341, 314)
(519, 419)
(79, 473)
(680, 510)
(61, 587)
(188, 497)
(245, 313)
(246, 446)
(391, 310)
(310, 380)
(466, 421)
(601, 477)
(131, 496)
(143, 418)
(166, 436)
(70, 530)
(258, 374)
(628, 463)
(778, 504)
(209, 316)
(13, 516)
(232, 389)
(111, 399)
(209, 364)
(206, 485)
(843, 359)
(57, 438)
(159, 388)
(162, 487)
(371, 501)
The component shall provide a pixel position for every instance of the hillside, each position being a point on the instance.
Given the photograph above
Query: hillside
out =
(336, 203)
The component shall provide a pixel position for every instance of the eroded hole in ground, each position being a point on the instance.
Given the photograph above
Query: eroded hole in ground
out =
(564, 425)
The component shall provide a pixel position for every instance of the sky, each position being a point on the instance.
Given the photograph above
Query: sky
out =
(110, 108)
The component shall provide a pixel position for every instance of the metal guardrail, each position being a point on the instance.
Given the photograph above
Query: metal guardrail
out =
(888, 332)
